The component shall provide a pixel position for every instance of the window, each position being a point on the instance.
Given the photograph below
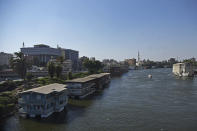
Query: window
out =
(38, 97)
(61, 102)
(27, 97)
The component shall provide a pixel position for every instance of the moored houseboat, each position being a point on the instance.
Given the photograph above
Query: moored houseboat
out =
(82, 87)
(43, 101)
(183, 69)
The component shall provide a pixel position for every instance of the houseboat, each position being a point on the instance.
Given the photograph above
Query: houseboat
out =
(101, 80)
(183, 69)
(82, 87)
(43, 101)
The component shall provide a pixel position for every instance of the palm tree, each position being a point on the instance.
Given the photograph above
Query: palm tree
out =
(51, 68)
(19, 64)
(58, 70)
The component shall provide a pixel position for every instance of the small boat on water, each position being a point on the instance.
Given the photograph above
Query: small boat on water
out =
(150, 76)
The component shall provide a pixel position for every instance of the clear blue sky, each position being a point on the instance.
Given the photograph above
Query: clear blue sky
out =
(117, 29)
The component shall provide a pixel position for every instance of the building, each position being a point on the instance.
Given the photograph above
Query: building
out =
(183, 69)
(5, 58)
(73, 56)
(67, 66)
(131, 62)
(8, 74)
(44, 100)
(41, 53)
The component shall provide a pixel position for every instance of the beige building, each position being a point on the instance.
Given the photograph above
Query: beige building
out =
(131, 62)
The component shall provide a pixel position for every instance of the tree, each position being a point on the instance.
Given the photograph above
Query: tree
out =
(29, 76)
(69, 76)
(58, 70)
(51, 68)
(19, 64)
(191, 61)
(60, 59)
(93, 66)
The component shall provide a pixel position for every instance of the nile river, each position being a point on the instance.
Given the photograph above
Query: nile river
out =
(132, 102)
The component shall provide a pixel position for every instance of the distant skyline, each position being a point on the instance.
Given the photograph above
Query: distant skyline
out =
(103, 29)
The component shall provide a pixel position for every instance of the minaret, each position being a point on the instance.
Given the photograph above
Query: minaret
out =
(138, 56)
(23, 44)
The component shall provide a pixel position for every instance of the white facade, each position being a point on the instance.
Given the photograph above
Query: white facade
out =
(183, 69)
(67, 66)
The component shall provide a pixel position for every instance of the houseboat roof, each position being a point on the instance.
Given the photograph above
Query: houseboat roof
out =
(87, 78)
(185, 63)
(48, 89)
(80, 80)
(99, 75)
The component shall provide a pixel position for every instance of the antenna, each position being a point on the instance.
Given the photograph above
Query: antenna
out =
(23, 44)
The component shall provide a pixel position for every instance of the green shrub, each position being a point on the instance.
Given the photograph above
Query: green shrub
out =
(7, 103)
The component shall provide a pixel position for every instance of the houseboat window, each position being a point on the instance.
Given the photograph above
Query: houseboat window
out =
(61, 102)
(38, 97)
(27, 97)
(48, 106)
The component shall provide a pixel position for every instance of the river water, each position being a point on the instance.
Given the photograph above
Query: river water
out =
(132, 102)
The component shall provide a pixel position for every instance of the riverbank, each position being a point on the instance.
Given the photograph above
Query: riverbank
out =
(9, 91)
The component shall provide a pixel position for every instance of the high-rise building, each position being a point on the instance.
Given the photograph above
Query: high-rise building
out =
(73, 56)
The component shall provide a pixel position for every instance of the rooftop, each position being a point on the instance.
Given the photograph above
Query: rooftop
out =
(98, 75)
(80, 80)
(87, 78)
(48, 89)
(41, 46)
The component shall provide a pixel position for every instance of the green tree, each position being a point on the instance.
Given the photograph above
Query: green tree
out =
(93, 66)
(60, 59)
(69, 76)
(58, 70)
(191, 61)
(51, 69)
(19, 64)
(29, 77)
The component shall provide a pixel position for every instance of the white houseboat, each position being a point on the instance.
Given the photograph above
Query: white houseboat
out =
(183, 69)
(44, 100)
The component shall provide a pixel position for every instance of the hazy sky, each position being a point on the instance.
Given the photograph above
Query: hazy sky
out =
(117, 29)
